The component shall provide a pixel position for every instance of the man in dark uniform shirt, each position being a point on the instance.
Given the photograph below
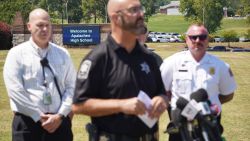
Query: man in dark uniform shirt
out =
(112, 75)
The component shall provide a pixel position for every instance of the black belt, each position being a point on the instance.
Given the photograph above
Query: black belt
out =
(104, 136)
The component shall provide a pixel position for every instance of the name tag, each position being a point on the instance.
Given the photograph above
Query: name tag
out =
(183, 70)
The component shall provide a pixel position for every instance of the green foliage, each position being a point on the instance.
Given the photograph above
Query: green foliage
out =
(247, 34)
(246, 6)
(150, 8)
(232, 7)
(8, 9)
(74, 11)
(88, 10)
(210, 12)
(102, 10)
(159, 3)
(248, 19)
(229, 36)
(5, 36)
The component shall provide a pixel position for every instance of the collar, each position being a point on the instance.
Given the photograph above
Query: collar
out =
(116, 47)
(205, 59)
(41, 51)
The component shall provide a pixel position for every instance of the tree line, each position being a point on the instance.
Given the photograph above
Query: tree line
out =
(210, 12)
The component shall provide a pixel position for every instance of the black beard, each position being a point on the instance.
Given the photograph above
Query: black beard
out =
(137, 29)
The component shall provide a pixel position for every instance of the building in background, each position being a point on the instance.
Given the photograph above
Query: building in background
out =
(171, 9)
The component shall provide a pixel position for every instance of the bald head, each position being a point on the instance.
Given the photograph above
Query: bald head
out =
(116, 5)
(38, 13)
(196, 29)
(39, 26)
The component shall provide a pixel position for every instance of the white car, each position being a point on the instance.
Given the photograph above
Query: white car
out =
(160, 39)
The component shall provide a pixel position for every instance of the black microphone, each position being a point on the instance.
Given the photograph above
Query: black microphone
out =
(181, 103)
(181, 124)
(206, 120)
(189, 108)
(200, 95)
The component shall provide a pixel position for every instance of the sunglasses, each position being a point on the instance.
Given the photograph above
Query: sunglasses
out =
(201, 37)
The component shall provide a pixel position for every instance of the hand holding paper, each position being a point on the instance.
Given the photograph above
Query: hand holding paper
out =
(143, 97)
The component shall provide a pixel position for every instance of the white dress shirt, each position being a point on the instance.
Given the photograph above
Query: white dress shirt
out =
(24, 79)
(182, 75)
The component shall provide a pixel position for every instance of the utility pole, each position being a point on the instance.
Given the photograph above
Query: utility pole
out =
(62, 12)
(67, 16)
(203, 13)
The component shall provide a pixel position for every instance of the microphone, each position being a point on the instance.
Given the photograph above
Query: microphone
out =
(201, 97)
(206, 120)
(207, 108)
(189, 108)
(180, 125)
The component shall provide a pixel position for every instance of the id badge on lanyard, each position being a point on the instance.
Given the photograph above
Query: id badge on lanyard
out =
(47, 99)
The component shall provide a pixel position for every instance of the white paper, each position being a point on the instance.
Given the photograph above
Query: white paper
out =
(143, 97)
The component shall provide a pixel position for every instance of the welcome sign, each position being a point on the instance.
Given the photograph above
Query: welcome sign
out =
(81, 35)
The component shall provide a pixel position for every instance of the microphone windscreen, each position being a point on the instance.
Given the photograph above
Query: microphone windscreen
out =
(176, 116)
(181, 103)
(200, 95)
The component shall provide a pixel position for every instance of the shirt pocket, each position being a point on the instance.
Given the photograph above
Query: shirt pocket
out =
(212, 84)
(58, 67)
(29, 67)
(182, 82)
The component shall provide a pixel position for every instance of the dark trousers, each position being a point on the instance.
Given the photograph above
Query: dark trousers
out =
(25, 129)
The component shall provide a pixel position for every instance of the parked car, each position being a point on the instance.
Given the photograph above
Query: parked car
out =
(243, 39)
(218, 48)
(240, 50)
(219, 39)
(160, 39)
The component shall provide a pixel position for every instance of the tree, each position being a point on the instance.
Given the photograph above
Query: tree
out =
(5, 36)
(229, 36)
(210, 12)
(232, 7)
(149, 7)
(74, 11)
(88, 10)
(246, 9)
(8, 9)
(246, 6)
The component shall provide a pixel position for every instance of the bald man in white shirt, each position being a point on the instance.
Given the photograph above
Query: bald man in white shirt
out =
(40, 79)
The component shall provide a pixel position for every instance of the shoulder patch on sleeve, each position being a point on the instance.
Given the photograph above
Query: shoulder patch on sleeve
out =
(84, 70)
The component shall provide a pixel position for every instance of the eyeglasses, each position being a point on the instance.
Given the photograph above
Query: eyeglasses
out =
(133, 10)
(201, 37)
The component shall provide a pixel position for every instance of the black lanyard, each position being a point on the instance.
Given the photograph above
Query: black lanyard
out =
(45, 63)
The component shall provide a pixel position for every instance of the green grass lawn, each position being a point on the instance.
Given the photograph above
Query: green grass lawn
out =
(238, 25)
(167, 23)
(171, 23)
(235, 117)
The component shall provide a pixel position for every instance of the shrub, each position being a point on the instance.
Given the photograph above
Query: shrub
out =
(230, 36)
(5, 36)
